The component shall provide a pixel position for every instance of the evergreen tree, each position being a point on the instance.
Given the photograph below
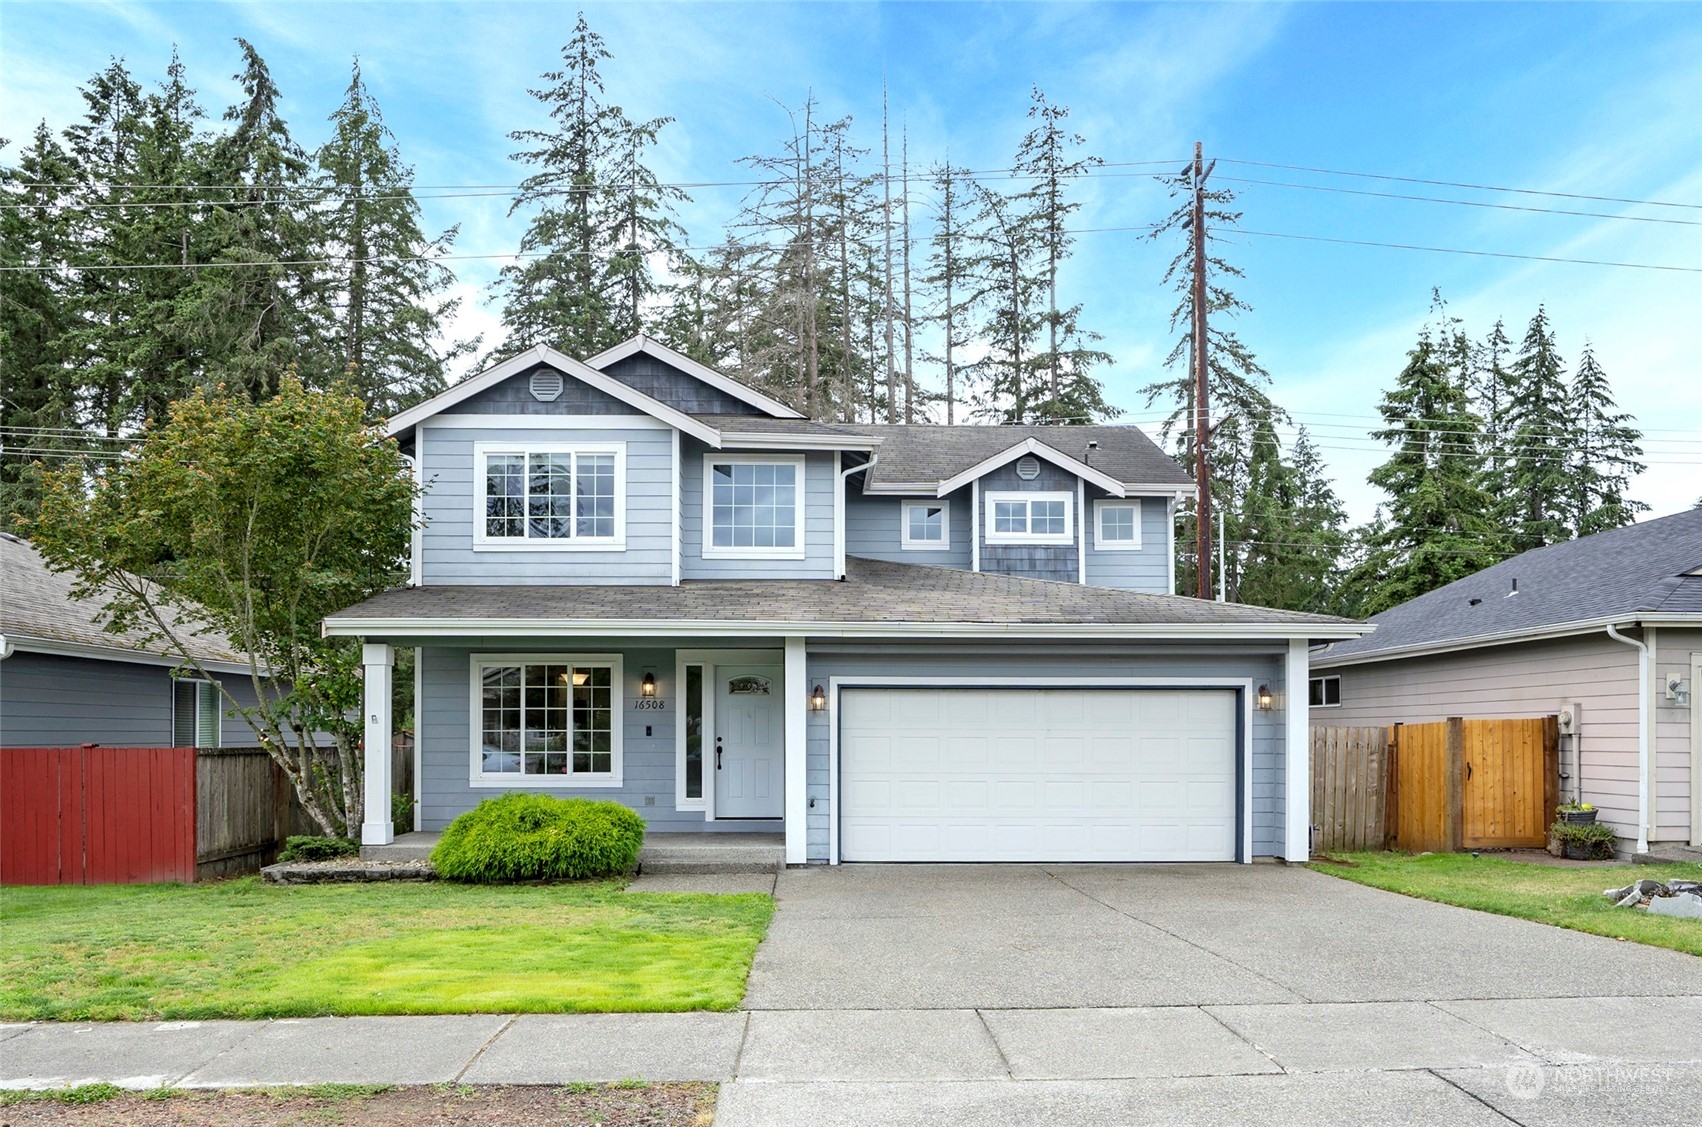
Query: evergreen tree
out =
(1490, 386)
(1605, 454)
(1540, 431)
(1290, 529)
(390, 308)
(1439, 526)
(1003, 245)
(948, 274)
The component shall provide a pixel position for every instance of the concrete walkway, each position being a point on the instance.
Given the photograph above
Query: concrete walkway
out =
(1004, 995)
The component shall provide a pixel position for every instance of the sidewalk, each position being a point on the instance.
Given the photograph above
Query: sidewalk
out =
(1571, 1060)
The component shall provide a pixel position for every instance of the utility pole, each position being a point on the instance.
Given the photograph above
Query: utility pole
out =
(1202, 409)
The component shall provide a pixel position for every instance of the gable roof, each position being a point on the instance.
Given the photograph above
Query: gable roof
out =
(1643, 571)
(918, 457)
(877, 599)
(39, 615)
(742, 392)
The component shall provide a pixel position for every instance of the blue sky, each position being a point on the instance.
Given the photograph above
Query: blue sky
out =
(1592, 99)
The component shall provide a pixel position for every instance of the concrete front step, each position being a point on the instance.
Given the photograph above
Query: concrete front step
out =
(416, 846)
(697, 854)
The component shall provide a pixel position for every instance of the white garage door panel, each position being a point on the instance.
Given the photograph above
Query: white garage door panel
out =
(1037, 774)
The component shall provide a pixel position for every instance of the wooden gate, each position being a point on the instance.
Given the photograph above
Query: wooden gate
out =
(1350, 781)
(97, 815)
(1510, 787)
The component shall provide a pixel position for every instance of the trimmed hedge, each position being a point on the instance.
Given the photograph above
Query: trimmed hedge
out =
(536, 837)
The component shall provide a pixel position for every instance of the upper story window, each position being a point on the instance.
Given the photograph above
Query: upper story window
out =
(925, 526)
(1029, 518)
(550, 495)
(751, 506)
(1117, 526)
(546, 720)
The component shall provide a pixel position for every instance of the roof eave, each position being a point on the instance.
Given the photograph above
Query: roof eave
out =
(746, 440)
(54, 647)
(1508, 637)
(650, 628)
(1032, 445)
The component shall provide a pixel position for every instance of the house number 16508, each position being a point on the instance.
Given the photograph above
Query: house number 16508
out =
(649, 704)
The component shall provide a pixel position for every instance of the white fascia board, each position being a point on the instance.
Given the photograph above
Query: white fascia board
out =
(55, 648)
(1133, 489)
(1506, 638)
(567, 365)
(690, 367)
(1040, 450)
(721, 628)
(740, 440)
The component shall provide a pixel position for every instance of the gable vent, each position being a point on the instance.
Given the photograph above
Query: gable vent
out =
(1028, 468)
(546, 385)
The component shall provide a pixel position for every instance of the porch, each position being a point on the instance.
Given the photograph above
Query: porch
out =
(671, 853)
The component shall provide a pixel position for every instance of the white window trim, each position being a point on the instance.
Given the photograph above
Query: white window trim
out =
(218, 712)
(990, 506)
(907, 544)
(1100, 543)
(476, 776)
(1336, 677)
(699, 804)
(711, 551)
(484, 543)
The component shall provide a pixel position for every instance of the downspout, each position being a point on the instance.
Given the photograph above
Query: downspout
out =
(839, 513)
(1645, 674)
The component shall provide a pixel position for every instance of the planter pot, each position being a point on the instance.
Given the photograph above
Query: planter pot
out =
(1578, 817)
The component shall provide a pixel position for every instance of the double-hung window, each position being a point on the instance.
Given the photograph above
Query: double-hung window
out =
(926, 526)
(1117, 526)
(752, 506)
(546, 720)
(549, 496)
(1029, 518)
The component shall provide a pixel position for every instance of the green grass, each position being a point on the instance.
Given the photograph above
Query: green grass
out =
(1562, 896)
(244, 949)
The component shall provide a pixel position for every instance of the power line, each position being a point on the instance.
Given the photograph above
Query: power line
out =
(1464, 203)
(1460, 184)
(1474, 253)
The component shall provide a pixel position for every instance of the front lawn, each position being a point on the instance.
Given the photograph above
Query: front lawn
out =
(245, 949)
(1550, 894)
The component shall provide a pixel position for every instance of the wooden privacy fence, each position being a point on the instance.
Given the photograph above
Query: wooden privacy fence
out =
(1450, 785)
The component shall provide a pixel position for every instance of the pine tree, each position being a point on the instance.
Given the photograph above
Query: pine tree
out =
(1439, 526)
(948, 274)
(1605, 454)
(1490, 386)
(1007, 288)
(1542, 436)
(1290, 531)
(390, 309)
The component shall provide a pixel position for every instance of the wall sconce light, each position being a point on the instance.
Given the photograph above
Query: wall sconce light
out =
(647, 687)
(818, 699)
(1265, 699)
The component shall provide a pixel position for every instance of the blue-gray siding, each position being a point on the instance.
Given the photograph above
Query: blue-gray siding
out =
(1146, 570)
(817, 516)
(445, 734)
(678, 390)
(452, 482)
(513, 396)
(873, 529)
(1030, 561)
(1086, 660)
(52, 701)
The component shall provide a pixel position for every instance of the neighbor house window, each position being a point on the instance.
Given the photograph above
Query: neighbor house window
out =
(195, 713)
(1029, 518)
(547, 721)
(550, 496)
(1118, 527)
(1325, 692)
(751, 506)
(926, 525)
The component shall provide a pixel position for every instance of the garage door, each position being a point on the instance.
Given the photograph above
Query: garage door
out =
(1037, 775)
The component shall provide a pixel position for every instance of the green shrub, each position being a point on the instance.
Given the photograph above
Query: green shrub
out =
(303, 848)
(536, 837)
(1594, 839)
(402, 812)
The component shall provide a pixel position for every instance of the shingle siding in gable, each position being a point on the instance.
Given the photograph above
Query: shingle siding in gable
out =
(683, 392)
(1030, 561)
(513, 396)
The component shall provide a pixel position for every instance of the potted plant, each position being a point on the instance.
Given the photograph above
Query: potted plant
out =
(1584, 841)
(1577, 813)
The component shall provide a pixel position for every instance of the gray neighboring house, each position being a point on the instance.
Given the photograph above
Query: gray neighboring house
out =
(1606, 629)
(65, 681)
(638, 579)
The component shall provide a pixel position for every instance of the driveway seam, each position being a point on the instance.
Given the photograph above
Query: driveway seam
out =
(489, 1041)
(1248, 1041)
(1502, 1037)
(1179, 938)
(739, 1055)
(1473, 1095)
(997, 1048)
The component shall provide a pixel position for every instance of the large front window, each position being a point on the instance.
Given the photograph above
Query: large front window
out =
(1029, 518)
(751, 507)
(547, 721)
(550, 496)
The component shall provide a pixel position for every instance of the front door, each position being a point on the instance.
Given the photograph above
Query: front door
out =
(749, 740)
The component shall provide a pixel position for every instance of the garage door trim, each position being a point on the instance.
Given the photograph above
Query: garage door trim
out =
(1244, 735)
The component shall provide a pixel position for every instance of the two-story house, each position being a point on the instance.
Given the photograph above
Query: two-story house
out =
(638, 579)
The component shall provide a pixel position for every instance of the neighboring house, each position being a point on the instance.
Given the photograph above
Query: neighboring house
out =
(1608, 626)
(65, 681)
(641, 580)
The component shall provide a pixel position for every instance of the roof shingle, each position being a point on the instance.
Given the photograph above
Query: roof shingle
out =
(918, 454)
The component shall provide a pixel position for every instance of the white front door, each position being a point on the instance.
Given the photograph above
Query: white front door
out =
(749, 740)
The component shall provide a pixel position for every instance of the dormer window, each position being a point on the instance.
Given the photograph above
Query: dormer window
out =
(1029, 518)
(550, 496)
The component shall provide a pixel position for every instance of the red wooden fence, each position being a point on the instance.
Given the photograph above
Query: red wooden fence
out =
(97, 815)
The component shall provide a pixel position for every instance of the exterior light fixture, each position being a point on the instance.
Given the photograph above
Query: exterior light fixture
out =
(647, 687)
(580, 676)
(1266, 700)
(818, 699)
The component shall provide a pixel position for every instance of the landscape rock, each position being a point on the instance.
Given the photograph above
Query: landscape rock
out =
(346, 870)
(1641, 888)
(1686, 905)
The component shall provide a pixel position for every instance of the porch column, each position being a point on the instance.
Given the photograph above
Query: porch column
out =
(797, 717)
(377, 661)
(1297, 754)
